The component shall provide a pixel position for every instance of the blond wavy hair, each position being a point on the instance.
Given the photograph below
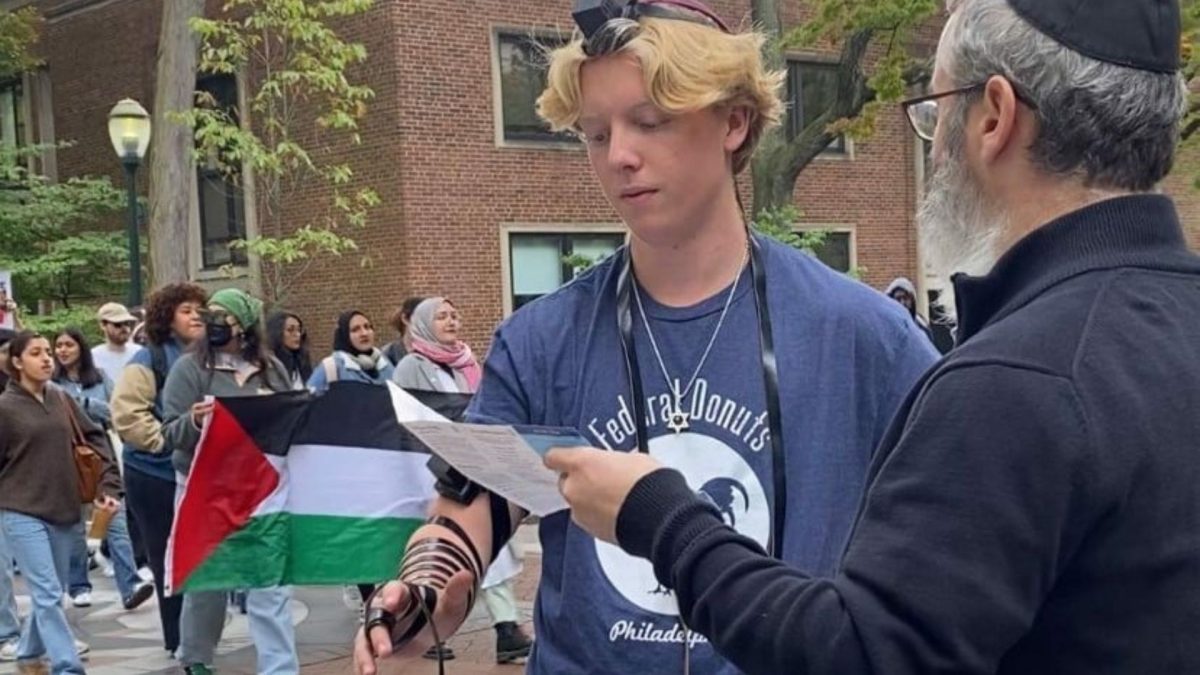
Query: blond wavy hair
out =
(687, 67)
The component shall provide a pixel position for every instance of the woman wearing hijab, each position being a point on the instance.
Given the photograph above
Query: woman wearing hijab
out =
(289, 343)
(440, 361)
(355, 357)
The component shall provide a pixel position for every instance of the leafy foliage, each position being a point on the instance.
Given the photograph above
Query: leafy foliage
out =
(45, 238)
(1191, 72)
(19, 32)
(300, 65)
(780, 224)
(876, 68)
(82, 317)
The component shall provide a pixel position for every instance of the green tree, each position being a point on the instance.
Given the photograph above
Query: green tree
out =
(303, 103)
(49, 234)
(875, 68)
(46, 235)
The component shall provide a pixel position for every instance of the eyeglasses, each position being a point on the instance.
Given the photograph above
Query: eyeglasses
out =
(922, 111)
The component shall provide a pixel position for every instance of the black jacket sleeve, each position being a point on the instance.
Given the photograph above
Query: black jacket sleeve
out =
(967, 521)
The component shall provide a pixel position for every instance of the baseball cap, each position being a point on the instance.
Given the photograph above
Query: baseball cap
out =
(115, 312)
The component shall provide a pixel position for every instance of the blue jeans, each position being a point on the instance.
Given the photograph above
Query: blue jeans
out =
(43, 551)
(271, 628)
(121, 548)
(10, 623)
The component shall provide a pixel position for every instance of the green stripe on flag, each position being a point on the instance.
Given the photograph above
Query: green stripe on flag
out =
(283, 549)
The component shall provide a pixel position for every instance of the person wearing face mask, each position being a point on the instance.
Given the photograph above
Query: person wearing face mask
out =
(173, 324)
(231, 361)
(40, 496)
(439, 361)
(289, 343)
(355, 357)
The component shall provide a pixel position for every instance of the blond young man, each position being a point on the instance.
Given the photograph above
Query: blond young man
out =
(762, 375)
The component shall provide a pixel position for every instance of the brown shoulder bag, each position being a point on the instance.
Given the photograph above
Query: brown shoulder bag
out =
(89, 465)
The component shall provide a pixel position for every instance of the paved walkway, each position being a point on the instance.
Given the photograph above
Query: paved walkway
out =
(130, 643)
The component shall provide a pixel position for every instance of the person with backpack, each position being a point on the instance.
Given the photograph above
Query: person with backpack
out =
(173, 322)
(355, 357)
(232, 361)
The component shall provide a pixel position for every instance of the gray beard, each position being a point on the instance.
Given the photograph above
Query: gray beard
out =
(959, 228)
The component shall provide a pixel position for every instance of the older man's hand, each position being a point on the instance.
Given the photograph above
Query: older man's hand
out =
(596, 482)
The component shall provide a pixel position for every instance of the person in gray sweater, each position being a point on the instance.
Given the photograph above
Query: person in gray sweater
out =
(232, 361)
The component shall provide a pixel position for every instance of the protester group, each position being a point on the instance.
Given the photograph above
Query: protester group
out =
(783, 475)
(139, 398)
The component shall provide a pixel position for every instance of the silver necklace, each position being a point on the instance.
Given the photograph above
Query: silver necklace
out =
(678, 419)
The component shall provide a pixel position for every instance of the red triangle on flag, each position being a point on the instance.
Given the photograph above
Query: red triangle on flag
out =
(230, 478)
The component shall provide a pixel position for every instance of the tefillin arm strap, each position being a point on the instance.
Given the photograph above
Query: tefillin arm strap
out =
(770, 374)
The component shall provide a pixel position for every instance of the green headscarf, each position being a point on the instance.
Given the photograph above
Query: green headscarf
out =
(246, 309)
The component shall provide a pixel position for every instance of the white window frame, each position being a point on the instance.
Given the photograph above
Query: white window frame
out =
(825, 155)
(840, 228)
(508, 229)
(498, 93)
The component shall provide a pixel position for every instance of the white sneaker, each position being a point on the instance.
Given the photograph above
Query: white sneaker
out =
(82, 648)
(84, 599)
(352, 598)
(146, 574)
(8, 651)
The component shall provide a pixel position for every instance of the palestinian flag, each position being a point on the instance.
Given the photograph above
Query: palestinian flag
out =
(291, 489)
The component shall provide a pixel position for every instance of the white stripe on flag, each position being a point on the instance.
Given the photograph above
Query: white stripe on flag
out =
(409, 409)
(358, 482)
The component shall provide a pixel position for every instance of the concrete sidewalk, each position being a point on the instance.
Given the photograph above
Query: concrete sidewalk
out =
(130, 643)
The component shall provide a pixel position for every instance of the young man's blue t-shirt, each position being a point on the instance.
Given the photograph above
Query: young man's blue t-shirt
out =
(846, 357)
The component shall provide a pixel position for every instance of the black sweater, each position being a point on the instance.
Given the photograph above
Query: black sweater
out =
(1035, 507)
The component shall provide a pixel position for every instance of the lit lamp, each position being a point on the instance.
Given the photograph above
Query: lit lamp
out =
(129, 130)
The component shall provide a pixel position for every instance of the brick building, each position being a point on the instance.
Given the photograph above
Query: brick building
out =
(479, 202)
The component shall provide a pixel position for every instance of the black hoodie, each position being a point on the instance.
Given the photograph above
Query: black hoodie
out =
(1035, 507)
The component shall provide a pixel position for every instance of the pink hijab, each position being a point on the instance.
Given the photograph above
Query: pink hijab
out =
(424, 342)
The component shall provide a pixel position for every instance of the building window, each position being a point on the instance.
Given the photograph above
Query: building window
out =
(522, 64)
(542, 261)
(811, 91)
(837, 250)
(222, 207)
(12, 114)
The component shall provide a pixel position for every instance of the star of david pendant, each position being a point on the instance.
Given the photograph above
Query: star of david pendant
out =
(678, 421)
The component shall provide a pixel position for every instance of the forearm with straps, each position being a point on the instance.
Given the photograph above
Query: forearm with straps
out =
(427, 568)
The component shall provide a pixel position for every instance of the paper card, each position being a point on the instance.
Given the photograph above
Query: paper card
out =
(502, 459)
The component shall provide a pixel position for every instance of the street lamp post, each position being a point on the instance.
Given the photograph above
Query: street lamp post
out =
(129, 131)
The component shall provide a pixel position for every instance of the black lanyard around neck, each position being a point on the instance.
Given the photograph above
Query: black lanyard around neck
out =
(769, 369)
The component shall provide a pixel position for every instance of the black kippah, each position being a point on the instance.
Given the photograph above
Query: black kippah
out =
(1142, 34)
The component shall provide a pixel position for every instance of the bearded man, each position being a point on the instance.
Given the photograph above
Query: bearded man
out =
(1034, 508)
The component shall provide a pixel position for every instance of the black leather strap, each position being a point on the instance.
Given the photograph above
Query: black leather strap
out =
(770, 372)
(449, 524)
(770, 378)
(502, 527)
(625, 325)
(442, 547)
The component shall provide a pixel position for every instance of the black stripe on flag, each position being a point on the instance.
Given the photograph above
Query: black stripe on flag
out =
(269, 420)
(360, 415)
